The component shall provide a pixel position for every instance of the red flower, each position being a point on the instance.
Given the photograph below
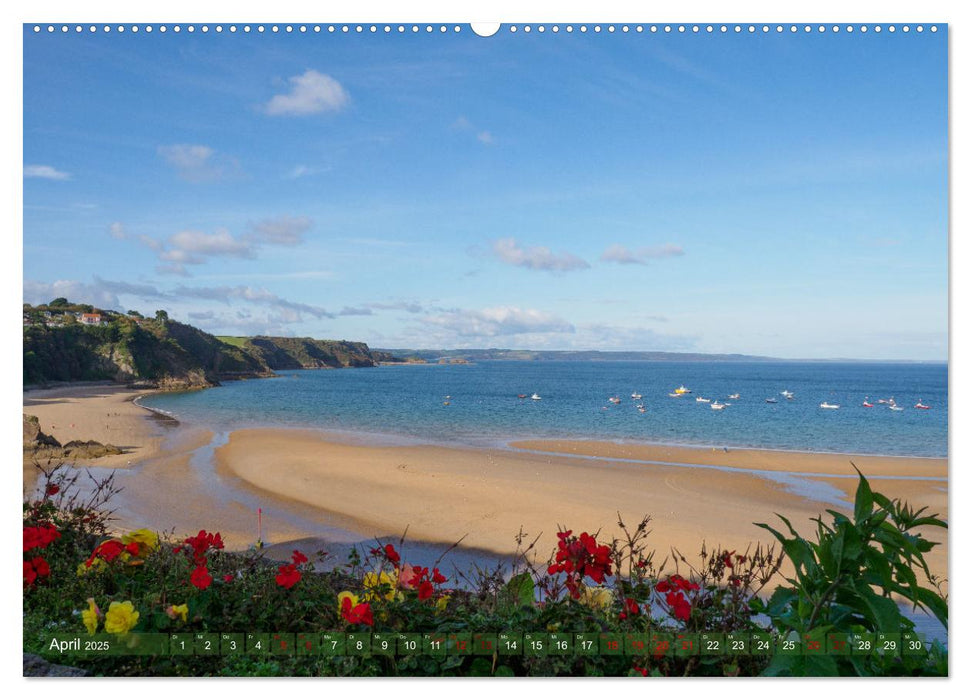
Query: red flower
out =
(630, 608)
(29, 574)
(40, 566)
(356, 614)
(201, 543)
(132, 548)
(299, 557)
(107, 551)
(425, 590)
(227, 578)
(679, 605)
(288, 576)
(52, 490)
(642, 671)
(200, 578)
(662, 587)
(437, 577)
(391, 554)
(39, 537)
(578, 557)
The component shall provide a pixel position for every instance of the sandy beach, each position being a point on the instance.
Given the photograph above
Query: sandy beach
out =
(317, 490)
(442, 494)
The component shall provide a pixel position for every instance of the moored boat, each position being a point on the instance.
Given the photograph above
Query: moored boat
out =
(825, 404)
(701, 399)
(717, 406)
(535, 397)
(921, 405)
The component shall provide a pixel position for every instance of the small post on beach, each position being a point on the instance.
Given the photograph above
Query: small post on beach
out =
(259, 528)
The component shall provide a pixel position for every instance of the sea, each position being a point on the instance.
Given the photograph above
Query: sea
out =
(480, 404)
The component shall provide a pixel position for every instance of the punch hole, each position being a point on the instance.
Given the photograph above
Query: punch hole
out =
(485, 29)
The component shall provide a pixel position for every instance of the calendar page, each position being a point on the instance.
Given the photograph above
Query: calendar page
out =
(523, 349)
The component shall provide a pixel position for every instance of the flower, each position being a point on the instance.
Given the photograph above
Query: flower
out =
(442, 602)
(40, 566)
(178, 611)
(381, 583)
(288, 576)
(425, 590)
(52, 490)
(299, 557)
(578, 557)
(202, 543)
(631, 608)
(391, 554)
(679, 605)
(144, 540)
(200, 578)
(29, 574)
(91, 616)
(597, 597)
(227, 578)
(39, 537)
(354, 612)
(121, 617)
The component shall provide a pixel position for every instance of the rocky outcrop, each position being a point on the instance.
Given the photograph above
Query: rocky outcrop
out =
(34, 437)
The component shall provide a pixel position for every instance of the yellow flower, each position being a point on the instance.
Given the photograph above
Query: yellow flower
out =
(146, 539)
(346, 594)
(597, 597)
(383, 584)
(175, 611)
(441, 603)
(121, 617)
(91, 616)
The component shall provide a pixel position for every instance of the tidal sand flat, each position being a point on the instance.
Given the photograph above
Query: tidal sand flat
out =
(442, 494)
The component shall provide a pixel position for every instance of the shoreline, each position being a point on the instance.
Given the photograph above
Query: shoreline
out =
(350, 488)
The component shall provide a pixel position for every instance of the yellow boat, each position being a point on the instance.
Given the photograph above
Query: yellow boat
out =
(682, 390)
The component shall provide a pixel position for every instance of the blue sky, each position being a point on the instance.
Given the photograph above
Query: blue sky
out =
(779, 194)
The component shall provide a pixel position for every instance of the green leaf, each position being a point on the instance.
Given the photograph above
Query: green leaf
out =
(883, 612)
(522, 589)
(863, 505)
(504, 672)
(934, 602)
(820, 665)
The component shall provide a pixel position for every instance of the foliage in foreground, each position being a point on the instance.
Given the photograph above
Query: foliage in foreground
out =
(80, 579)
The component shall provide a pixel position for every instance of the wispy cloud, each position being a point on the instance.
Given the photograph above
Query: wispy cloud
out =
(497, 321)
(536, 257)
(291, 311)
(620, 254)
(283, 230)
(482, 135)
(100, 293)
(310, 93)
(197, 163)
(46, 172)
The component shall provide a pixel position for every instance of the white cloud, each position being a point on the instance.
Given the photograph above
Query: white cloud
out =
(99, 293)
(283, 230)
(498, 321)
(220, 243)
(291, 311)
(117, 231)
(46, 172)
(197, 163)
(537, 257)
(624, 256)
(484, 136)
(310, 93)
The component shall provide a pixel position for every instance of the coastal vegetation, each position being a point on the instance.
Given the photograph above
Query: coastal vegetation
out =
(83, 578)
(66, 342)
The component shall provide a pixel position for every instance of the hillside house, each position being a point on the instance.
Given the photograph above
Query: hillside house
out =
(90, 319)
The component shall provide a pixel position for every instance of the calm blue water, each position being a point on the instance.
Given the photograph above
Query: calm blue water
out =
(407, 402)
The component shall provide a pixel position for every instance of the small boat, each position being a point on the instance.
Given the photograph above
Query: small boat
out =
(446, 403)
(520, 396)
(641, 409)
(702, 400)
(788, 394)
(733, 396)
(614, 399)
(824, 404)
(882, 401)
(867, 404)
(639, 405)
(921, 405)
(896, 408)
(675, 396)
(772, 400)
(718, 406)
(682, 390)
(636, 396)
(535, 397)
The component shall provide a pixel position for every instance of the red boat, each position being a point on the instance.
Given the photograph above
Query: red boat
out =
(868, 404)
(921, 405)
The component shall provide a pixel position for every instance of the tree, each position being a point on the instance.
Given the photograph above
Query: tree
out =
(162, 316)
(60, 301)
